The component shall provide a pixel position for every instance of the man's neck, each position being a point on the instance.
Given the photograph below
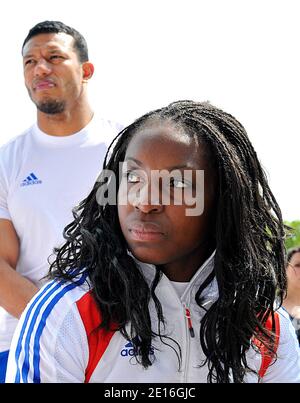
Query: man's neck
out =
(66, 123)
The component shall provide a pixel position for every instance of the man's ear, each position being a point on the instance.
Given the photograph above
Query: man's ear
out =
(87, 71)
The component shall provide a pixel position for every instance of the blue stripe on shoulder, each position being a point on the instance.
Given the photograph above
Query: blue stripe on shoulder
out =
(19, 345)
(44, 297)
(36, 347)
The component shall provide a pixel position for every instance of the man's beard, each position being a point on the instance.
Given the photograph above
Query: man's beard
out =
(51, 107)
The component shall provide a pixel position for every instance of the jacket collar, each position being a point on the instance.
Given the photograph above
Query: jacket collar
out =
(210, 294)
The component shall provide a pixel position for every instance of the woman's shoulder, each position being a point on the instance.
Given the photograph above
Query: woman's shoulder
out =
(56, 298)
(50, 332)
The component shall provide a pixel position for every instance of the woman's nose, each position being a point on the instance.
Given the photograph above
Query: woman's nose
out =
(147, 201)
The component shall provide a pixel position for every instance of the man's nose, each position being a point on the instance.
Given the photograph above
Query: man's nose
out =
(42, 68)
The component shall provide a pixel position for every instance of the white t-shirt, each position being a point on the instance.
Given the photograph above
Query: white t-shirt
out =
(42, 178)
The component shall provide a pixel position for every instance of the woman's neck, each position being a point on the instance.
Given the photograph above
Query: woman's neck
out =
(292, 302)
(183, 270)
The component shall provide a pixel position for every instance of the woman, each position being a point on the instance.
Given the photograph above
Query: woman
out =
(175, 279)
(292, 301)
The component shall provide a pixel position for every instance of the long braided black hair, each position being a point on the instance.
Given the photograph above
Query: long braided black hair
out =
(249, 264)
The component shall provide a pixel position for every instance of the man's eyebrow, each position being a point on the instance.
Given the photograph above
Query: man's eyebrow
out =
(27, 55)
(55, 49)
(50, 49)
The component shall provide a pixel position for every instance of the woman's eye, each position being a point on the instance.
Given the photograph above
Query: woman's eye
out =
(178, 183)
(132, 177)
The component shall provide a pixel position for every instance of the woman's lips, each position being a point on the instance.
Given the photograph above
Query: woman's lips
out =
(146, 232)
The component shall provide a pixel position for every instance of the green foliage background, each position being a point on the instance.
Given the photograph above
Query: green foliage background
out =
(293, 239)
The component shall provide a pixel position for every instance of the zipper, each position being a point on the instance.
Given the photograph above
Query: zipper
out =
(189, 321)
(189, 334)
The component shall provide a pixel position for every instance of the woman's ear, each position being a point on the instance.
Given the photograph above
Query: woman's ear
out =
(87, 71)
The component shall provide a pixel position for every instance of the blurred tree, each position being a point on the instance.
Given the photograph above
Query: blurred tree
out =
(293, 238)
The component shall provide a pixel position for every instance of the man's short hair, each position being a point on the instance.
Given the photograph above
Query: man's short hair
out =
(57, 27)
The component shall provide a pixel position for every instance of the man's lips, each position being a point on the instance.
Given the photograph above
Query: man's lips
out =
(146, 232)
(43, 85)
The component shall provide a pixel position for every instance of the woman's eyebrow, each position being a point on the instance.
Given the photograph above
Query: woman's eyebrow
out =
(171, 168)
(134, 160)
(183, 166)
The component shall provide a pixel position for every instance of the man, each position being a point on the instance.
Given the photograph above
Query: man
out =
(47, 170)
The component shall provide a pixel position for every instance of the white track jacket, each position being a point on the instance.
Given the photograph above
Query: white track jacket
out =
(56, 339)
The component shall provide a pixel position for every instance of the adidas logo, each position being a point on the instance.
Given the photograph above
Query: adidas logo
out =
(130, 351)
(31, 180)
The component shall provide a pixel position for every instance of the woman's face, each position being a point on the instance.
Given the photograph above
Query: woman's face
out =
(168, 221)
(293, 271)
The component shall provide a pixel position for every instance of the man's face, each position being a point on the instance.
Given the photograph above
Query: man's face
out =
(52, 71)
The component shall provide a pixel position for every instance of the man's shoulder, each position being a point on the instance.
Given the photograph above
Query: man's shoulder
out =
(106, 129)
(16, 142)
(107, 121)
(115, 125)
